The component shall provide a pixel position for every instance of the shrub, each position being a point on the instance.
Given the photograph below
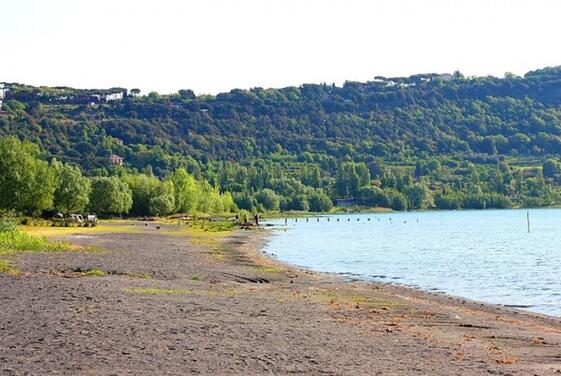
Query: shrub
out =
(319, 202)
(8, 224)
(17, 241)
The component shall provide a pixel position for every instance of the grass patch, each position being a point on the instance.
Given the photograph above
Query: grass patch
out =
(211, 292)
(210, 226)
(347, 298)
(155, 291)
(203, 229)
(195, 278)
(7, 268)
(113, 226)
(268, 269)
(94, 273)
(17, 241)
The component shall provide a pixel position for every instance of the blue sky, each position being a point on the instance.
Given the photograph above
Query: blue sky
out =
(216, 45)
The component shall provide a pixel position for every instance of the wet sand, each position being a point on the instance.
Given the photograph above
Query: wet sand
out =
(173, 303)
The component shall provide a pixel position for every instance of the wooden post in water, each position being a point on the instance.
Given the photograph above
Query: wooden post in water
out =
(528, 220)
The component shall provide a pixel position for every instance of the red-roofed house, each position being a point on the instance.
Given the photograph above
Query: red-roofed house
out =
(116, 160)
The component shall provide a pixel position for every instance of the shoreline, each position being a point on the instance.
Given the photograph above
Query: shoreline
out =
(519, 286)
(488, 313)
(169, 300)
(405, 290)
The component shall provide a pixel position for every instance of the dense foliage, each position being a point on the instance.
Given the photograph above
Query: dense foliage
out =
(424, 141)
(33, 186)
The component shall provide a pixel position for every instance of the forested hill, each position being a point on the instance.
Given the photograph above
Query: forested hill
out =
(428, 140)
(393, 118)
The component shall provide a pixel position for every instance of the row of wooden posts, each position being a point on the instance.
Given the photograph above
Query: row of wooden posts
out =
(307, 219)
(368, 220)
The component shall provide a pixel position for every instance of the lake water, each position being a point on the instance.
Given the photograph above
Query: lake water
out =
(485, 255)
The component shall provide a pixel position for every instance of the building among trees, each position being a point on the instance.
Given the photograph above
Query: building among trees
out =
(2, 93)
(116, 160)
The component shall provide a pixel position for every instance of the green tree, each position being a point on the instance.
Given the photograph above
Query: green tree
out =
(72, 192)
(311, 176)
(245, 201)
(448, 201)
(298, 202)
(144, 189)
(319, 201)
(550, 168)
(228, 203)
(376, 168)
(27, 183)
(347, 181)
(268, 199)
(433, 165)
(419, 196)
(187, 191)
(398, 201)
(110, 195)
(216, 200)
(363, 175)
(374, 197)
(162, 201)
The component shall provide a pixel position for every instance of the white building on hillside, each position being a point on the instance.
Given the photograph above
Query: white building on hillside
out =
(2, 94)
(108, 97)
(114, 96)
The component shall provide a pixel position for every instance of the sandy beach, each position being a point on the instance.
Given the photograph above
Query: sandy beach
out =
(169, 302)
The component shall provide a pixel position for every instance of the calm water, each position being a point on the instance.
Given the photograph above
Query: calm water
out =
(483, 255)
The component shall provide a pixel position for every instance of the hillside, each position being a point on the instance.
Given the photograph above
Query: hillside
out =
(393, 118)
(452, 120)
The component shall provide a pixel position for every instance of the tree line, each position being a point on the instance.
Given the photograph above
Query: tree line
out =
(434, 183)
(31, 185)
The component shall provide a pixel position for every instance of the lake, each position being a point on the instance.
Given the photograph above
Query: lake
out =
(483, 255)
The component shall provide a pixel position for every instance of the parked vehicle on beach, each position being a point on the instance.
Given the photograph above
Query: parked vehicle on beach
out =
(91, 219)
(77, 219)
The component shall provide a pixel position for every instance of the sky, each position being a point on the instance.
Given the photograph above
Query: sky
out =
(212, 46)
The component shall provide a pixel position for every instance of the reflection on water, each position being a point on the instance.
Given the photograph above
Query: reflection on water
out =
(483, 255)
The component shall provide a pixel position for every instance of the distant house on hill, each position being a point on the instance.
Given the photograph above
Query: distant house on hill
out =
(2, 93)
(108, 97)
(116, 160)
(114, 96)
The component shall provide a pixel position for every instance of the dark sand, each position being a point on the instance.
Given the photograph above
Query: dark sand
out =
(173, 304)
